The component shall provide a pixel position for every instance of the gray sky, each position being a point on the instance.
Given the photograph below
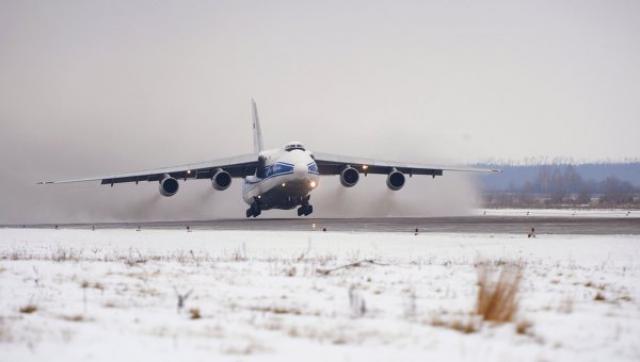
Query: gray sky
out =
(88, 88)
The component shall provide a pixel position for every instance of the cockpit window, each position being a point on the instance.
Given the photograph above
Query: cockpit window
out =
(294, 146)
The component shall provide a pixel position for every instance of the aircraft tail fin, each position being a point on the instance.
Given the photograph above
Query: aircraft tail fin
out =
(258, 146)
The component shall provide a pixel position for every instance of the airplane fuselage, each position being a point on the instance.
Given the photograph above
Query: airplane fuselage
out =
(283, 180)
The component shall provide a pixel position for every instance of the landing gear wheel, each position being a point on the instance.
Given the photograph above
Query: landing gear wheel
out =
(305, 210)
(309, 210)
(254, 210)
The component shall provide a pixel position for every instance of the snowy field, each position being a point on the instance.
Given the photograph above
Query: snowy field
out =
(112, 295)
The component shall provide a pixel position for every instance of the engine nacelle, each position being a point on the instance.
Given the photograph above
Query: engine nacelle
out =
(395, 180)
(168, 186)
(349, 176)
(221, 180)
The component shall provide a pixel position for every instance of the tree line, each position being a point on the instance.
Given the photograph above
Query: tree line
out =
(562, 185)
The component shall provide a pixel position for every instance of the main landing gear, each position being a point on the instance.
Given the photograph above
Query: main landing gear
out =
(254, 210)
(305, 209)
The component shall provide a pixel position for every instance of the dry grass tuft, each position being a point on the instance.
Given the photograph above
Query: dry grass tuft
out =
(437, 322)
(357, 302)
(74, 318)
(110, 304)
(133, 260)
(497, 299)
(96, 285)
(277, 310)
(62, 255)
(467, 327)
(28, 309)
(240, 254)
(464, 327)
(523, 327)
(195, 313)
(291, 272)
(599, 297)
(625, 298)
(595, 286)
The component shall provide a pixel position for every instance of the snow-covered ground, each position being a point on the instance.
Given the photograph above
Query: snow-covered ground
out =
(599, 213)
(112, 295)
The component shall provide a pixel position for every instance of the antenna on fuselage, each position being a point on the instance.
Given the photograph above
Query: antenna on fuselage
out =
(258, 146)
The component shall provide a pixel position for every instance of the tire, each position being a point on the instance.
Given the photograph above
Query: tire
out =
(308, 210)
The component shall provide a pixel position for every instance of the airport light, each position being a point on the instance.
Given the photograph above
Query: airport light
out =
(284, 184)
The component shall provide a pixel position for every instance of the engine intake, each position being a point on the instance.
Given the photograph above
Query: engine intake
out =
(395, 180)
(168, 186)
(221, 180)
(349, 176)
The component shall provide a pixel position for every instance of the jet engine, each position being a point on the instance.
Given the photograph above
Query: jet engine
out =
(395, 180)
(168, 186)
(221, 180)
(349, 176)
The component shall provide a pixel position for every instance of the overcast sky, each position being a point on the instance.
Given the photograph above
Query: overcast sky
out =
(98, 87)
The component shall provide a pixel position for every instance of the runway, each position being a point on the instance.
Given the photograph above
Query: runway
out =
(467, 224)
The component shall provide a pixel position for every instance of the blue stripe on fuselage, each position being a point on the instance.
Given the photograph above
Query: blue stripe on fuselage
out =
(282, 169)
(275, 170)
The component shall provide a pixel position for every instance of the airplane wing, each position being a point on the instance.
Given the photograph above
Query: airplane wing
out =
(329, 164)
(238, 166)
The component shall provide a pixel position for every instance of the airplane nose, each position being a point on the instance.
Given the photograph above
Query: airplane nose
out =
(300, 170)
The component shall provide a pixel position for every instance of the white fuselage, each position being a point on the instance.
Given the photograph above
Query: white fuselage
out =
(285, 181)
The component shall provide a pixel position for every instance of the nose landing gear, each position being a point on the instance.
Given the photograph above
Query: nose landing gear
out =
(305, 209)
(254, 210)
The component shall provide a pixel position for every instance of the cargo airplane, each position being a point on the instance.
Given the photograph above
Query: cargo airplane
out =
(280, 178)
